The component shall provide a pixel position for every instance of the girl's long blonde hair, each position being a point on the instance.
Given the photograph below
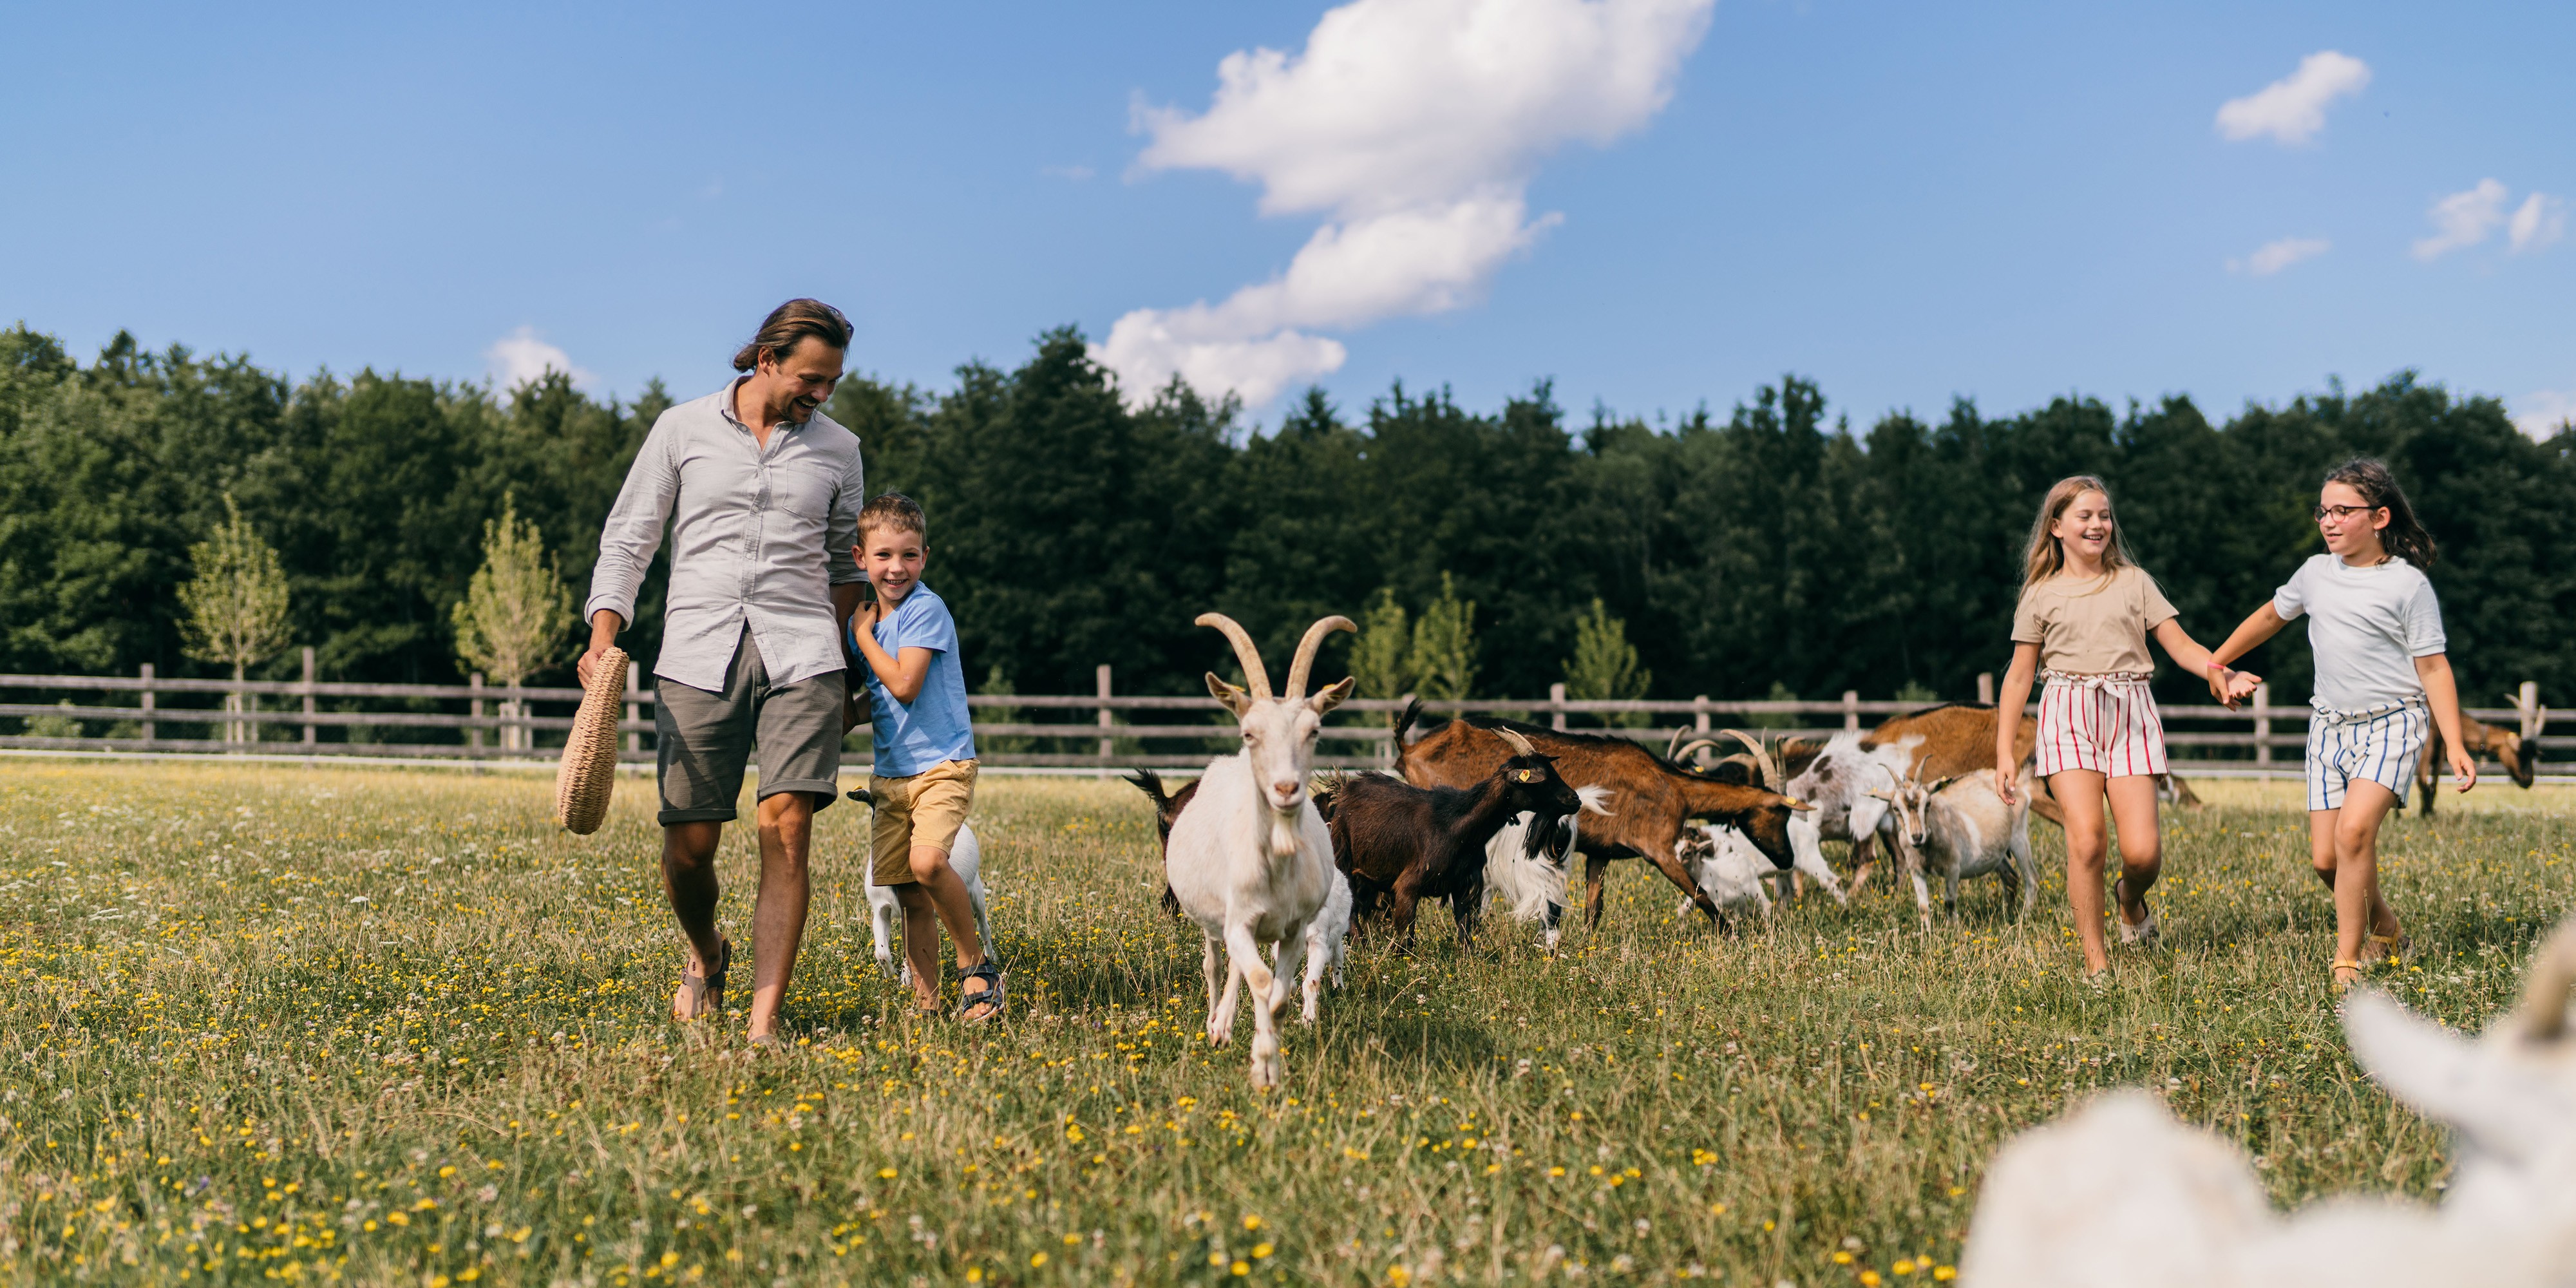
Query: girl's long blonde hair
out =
(2043, 558)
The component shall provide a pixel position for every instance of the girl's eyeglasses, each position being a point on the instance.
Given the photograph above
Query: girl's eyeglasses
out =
(2340, 512)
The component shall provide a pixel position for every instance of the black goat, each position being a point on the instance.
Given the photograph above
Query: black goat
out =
(1401, 844)
(1166, 808)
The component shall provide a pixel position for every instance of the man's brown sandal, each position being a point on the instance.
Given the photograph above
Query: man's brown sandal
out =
(703, 995)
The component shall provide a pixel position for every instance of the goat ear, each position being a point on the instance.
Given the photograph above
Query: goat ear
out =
(1333, 695)
(1235, 700)
(2431, 1069)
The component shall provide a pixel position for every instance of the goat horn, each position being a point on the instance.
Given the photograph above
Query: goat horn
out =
(1255, 676)
(1673, 745)
(1676, 754)
(1520, 745)
(1305, 659)
(2553, 974)
(1766, 760)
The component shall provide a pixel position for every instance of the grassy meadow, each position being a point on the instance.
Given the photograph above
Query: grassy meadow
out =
(392, 1027)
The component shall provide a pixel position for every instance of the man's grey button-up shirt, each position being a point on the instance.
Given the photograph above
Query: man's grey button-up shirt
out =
(758, 537)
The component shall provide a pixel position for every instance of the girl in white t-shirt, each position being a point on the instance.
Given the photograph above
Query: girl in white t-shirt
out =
(2082, 625)
(2377, 631)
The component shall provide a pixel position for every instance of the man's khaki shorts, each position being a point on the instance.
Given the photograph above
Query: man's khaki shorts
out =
(924, 809)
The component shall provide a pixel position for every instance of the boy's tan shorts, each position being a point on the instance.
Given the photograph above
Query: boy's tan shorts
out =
(924, 809)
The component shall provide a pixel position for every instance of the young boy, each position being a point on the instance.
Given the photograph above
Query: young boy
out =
(925, 753)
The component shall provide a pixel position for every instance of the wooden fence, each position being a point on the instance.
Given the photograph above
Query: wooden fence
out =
(1099, 731)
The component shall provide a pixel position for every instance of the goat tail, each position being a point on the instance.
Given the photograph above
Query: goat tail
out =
(1150, 783)
(1404, 723)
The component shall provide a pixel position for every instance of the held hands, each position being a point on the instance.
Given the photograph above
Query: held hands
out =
(2231, 687)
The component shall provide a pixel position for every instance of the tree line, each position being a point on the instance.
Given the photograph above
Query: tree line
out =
(1774, 550)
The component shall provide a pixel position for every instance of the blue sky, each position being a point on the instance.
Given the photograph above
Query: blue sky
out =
(1908, 203)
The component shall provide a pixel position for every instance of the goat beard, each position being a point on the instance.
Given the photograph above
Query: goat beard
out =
(1283, 833)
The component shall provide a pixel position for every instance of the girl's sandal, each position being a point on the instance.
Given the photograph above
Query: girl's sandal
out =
(990, 999)
(2342, 985)
(2145, 933)
(2379, 948)
(703, 995)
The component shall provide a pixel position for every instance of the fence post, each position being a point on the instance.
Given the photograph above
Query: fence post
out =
(1699, 726)
(147, 706)
(1105, 744)
(474, 736)
(634, 710)
(1851, 710)
(2263, 724)
(2532, 718)
(308, 696)
(1556, 705)
(1986, 690)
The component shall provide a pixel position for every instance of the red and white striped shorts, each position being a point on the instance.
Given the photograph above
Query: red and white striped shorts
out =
(2104, 723)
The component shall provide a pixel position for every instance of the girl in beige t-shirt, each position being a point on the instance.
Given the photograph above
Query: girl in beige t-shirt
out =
(2082, 625)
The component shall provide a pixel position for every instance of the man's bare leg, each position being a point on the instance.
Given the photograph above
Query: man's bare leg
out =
(786, 823)
(689, 878)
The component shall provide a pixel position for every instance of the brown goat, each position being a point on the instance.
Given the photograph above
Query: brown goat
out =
(1652, 799)
(1166, 808)
(2504, 746)
(1400, 844)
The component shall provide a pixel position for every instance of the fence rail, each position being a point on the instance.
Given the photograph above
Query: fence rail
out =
(488, 722)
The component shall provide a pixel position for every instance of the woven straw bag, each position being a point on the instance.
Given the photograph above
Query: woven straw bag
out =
(589, 770)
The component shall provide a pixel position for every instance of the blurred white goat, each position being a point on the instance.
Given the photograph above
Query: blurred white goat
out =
(1249, 859)
(2119, 1195)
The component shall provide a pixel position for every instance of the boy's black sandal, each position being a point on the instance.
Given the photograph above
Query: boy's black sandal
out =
(990, 999)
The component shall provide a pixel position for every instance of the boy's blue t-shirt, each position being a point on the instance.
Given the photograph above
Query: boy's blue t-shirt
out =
(936, 726)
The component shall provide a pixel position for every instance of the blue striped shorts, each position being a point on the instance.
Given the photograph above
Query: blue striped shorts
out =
(2380, 745)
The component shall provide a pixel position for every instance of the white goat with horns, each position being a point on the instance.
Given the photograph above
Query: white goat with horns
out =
(1250, 860)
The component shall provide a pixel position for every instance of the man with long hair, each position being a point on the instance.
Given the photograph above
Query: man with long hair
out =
(761, 493)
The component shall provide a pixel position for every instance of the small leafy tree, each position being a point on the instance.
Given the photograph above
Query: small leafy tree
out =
(1381, 661)
(1605, 665)
(512, 618)
(236, 605)
(1443, 660)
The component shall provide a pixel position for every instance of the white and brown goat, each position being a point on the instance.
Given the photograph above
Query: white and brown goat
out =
(1250, 859)
(1959, 827)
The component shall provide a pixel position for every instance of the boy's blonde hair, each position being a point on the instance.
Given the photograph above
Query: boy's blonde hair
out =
(893, 510)
(2043, 558)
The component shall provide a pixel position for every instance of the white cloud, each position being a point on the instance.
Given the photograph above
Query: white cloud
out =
(520, 356)
(2293, 108)
(2273, 256)
(2463, 219)
(2537, 223)
(2540, 414)
(1414, 127)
